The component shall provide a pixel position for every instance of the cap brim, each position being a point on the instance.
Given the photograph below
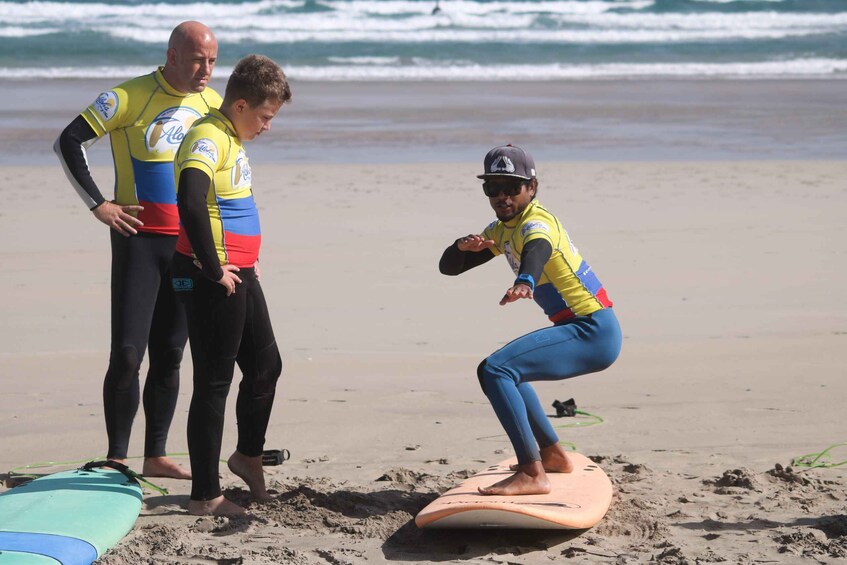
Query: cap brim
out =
(507, 175)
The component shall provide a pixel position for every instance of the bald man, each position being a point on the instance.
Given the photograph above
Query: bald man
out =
(146, 119)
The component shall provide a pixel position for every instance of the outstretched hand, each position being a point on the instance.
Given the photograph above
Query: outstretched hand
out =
(118, 217)
(516, 293)
(474, 243)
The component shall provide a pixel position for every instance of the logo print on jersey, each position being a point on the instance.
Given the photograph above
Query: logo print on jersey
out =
(167, 130)
(106, 105)
(534, 226)
(510, 257)
(241, 174)
(206, 149)
(502, 164)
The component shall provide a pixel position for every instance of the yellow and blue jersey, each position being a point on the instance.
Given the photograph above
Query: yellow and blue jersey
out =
(147, 120)
(213, 147)
(568, 286)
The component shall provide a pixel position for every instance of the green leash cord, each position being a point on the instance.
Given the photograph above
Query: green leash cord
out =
(818, 460)
(595, 420)
(44, 464)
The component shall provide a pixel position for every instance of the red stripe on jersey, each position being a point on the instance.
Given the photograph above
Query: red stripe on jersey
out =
(561, 316)
(604, 298)
(159, 218)
(567, 314)
(242, 250)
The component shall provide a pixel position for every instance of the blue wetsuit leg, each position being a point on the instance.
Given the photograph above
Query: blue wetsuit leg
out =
(581, 345)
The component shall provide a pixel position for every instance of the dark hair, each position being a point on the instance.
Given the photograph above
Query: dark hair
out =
(256, 79)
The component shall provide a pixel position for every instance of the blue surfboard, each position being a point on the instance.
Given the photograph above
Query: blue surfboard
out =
(68, 518)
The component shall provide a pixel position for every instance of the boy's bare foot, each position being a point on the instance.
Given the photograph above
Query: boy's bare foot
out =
(219, 506)
(529, 479)
(249, 469)
(164, 467)
(553, 459)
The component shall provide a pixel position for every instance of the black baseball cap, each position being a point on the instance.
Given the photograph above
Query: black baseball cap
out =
(508, 161)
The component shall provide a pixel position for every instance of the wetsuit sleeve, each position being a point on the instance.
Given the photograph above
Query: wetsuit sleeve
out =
(455, 262)
(70, 147)
(191, 196)
(534, 256)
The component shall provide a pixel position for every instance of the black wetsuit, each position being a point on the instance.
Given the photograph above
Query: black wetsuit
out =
(145, 317)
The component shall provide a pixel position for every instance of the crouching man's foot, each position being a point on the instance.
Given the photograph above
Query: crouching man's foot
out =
(529, 479)
(554, 459)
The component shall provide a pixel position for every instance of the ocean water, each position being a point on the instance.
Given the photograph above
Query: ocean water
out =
(414, 40)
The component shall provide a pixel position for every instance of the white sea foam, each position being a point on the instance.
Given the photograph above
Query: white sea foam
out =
(433, 70)
(501, 36)
(30, 12)
(16, 31)
(275, 14)
(399, 21)
(386, 39)
(822, 68)
(364, 60)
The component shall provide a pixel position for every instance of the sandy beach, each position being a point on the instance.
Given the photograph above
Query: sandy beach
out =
(722, 271)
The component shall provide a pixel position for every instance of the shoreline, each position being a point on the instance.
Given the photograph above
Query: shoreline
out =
(430, 122)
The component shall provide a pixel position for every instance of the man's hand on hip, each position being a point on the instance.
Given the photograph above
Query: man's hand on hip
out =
(119, 217)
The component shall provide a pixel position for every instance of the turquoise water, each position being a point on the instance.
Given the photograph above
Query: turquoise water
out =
(330, 40)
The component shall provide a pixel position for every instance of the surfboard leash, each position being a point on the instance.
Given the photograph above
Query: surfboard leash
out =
(137, 477)
(822, 459)
(15, 477)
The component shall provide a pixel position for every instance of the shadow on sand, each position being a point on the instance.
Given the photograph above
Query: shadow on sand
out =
(411, 543)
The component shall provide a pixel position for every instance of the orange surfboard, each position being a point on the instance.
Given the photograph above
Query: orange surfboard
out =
(577, 501)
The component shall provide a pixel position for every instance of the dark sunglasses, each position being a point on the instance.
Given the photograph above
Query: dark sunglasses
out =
(511, 187)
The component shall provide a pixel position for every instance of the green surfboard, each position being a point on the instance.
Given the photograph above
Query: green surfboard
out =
(70, 518)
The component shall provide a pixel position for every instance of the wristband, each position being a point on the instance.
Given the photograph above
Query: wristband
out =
(526, 278)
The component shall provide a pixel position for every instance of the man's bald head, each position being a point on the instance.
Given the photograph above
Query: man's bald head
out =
(190, 33)
(192, 53)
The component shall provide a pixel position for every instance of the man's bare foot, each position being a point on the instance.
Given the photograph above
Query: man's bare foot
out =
(554, 459)
(530, 479)
(251, 472)
(219, 506)
(164, 467)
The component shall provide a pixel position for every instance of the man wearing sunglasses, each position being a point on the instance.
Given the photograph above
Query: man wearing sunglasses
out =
(585, 336)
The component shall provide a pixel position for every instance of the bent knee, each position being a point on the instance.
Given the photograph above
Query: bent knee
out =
(269, 370)
(609, 355)
(488, 371)
(480, 375)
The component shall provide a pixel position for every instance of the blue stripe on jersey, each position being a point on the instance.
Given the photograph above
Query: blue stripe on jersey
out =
(588, 279)
(549, 299)
(239, 215)
(154, 181)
